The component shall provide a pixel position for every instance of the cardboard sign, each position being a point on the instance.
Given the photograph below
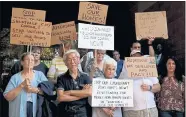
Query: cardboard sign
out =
(22, 13)
(151, 24)
(92, 12)
(112, 93)
(95, 37)
(30, 32)
(141, 67)
(63, 31)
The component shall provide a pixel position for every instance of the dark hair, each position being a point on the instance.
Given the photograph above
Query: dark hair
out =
(24, 55)
(36, 48)
(134, 43)
(178, 70)
(115, 51)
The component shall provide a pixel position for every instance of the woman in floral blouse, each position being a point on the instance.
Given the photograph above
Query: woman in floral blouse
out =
(95, 66)
(171, 98)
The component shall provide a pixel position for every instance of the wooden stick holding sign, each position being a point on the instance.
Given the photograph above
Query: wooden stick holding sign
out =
(95, 54)
(63, 48)
(95, 57)
(29, 73)
(27, 50)
(30, 58)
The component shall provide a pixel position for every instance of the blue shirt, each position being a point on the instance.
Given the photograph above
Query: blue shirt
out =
(119, 68)
(18, 107)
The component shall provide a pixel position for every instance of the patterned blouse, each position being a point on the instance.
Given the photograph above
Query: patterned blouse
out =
(97, 73)
(172, 95)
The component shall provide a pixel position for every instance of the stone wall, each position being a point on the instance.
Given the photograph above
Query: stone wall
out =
(176, 26)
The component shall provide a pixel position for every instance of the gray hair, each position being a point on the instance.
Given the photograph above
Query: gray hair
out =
(69, 52)
(102, 51)
(109, 61)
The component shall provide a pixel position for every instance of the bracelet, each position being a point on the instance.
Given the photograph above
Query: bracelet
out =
(149, 44)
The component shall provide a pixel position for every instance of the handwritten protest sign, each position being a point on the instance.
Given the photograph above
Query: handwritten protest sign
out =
(95, 37)
(140, 67)
(30, 32)
(22, 13)
(112, 93)
(92, 12)
(151, 24)
(63, 31)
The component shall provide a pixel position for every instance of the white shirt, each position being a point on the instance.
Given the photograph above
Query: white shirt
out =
(142, 99)
(29, 97)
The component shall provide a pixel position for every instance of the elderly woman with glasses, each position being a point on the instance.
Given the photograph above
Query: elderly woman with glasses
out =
(21, 91)
(109, 69)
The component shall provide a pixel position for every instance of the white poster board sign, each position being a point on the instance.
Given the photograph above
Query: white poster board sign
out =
(112, 93)
(95, 37)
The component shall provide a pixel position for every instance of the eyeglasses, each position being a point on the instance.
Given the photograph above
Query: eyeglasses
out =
(73, 59)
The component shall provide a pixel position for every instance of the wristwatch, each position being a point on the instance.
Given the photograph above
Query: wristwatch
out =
(149, 44)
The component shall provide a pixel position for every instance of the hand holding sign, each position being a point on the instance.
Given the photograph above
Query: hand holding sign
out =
(108, 111)
(150, 39)
(94, 66)
(145, 87)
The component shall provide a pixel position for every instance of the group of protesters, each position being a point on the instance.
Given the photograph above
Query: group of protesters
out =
(65, 89)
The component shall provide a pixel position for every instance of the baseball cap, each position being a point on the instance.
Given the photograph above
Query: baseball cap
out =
(135, 51)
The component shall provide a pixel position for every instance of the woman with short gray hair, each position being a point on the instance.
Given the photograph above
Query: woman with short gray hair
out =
(109, 69)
